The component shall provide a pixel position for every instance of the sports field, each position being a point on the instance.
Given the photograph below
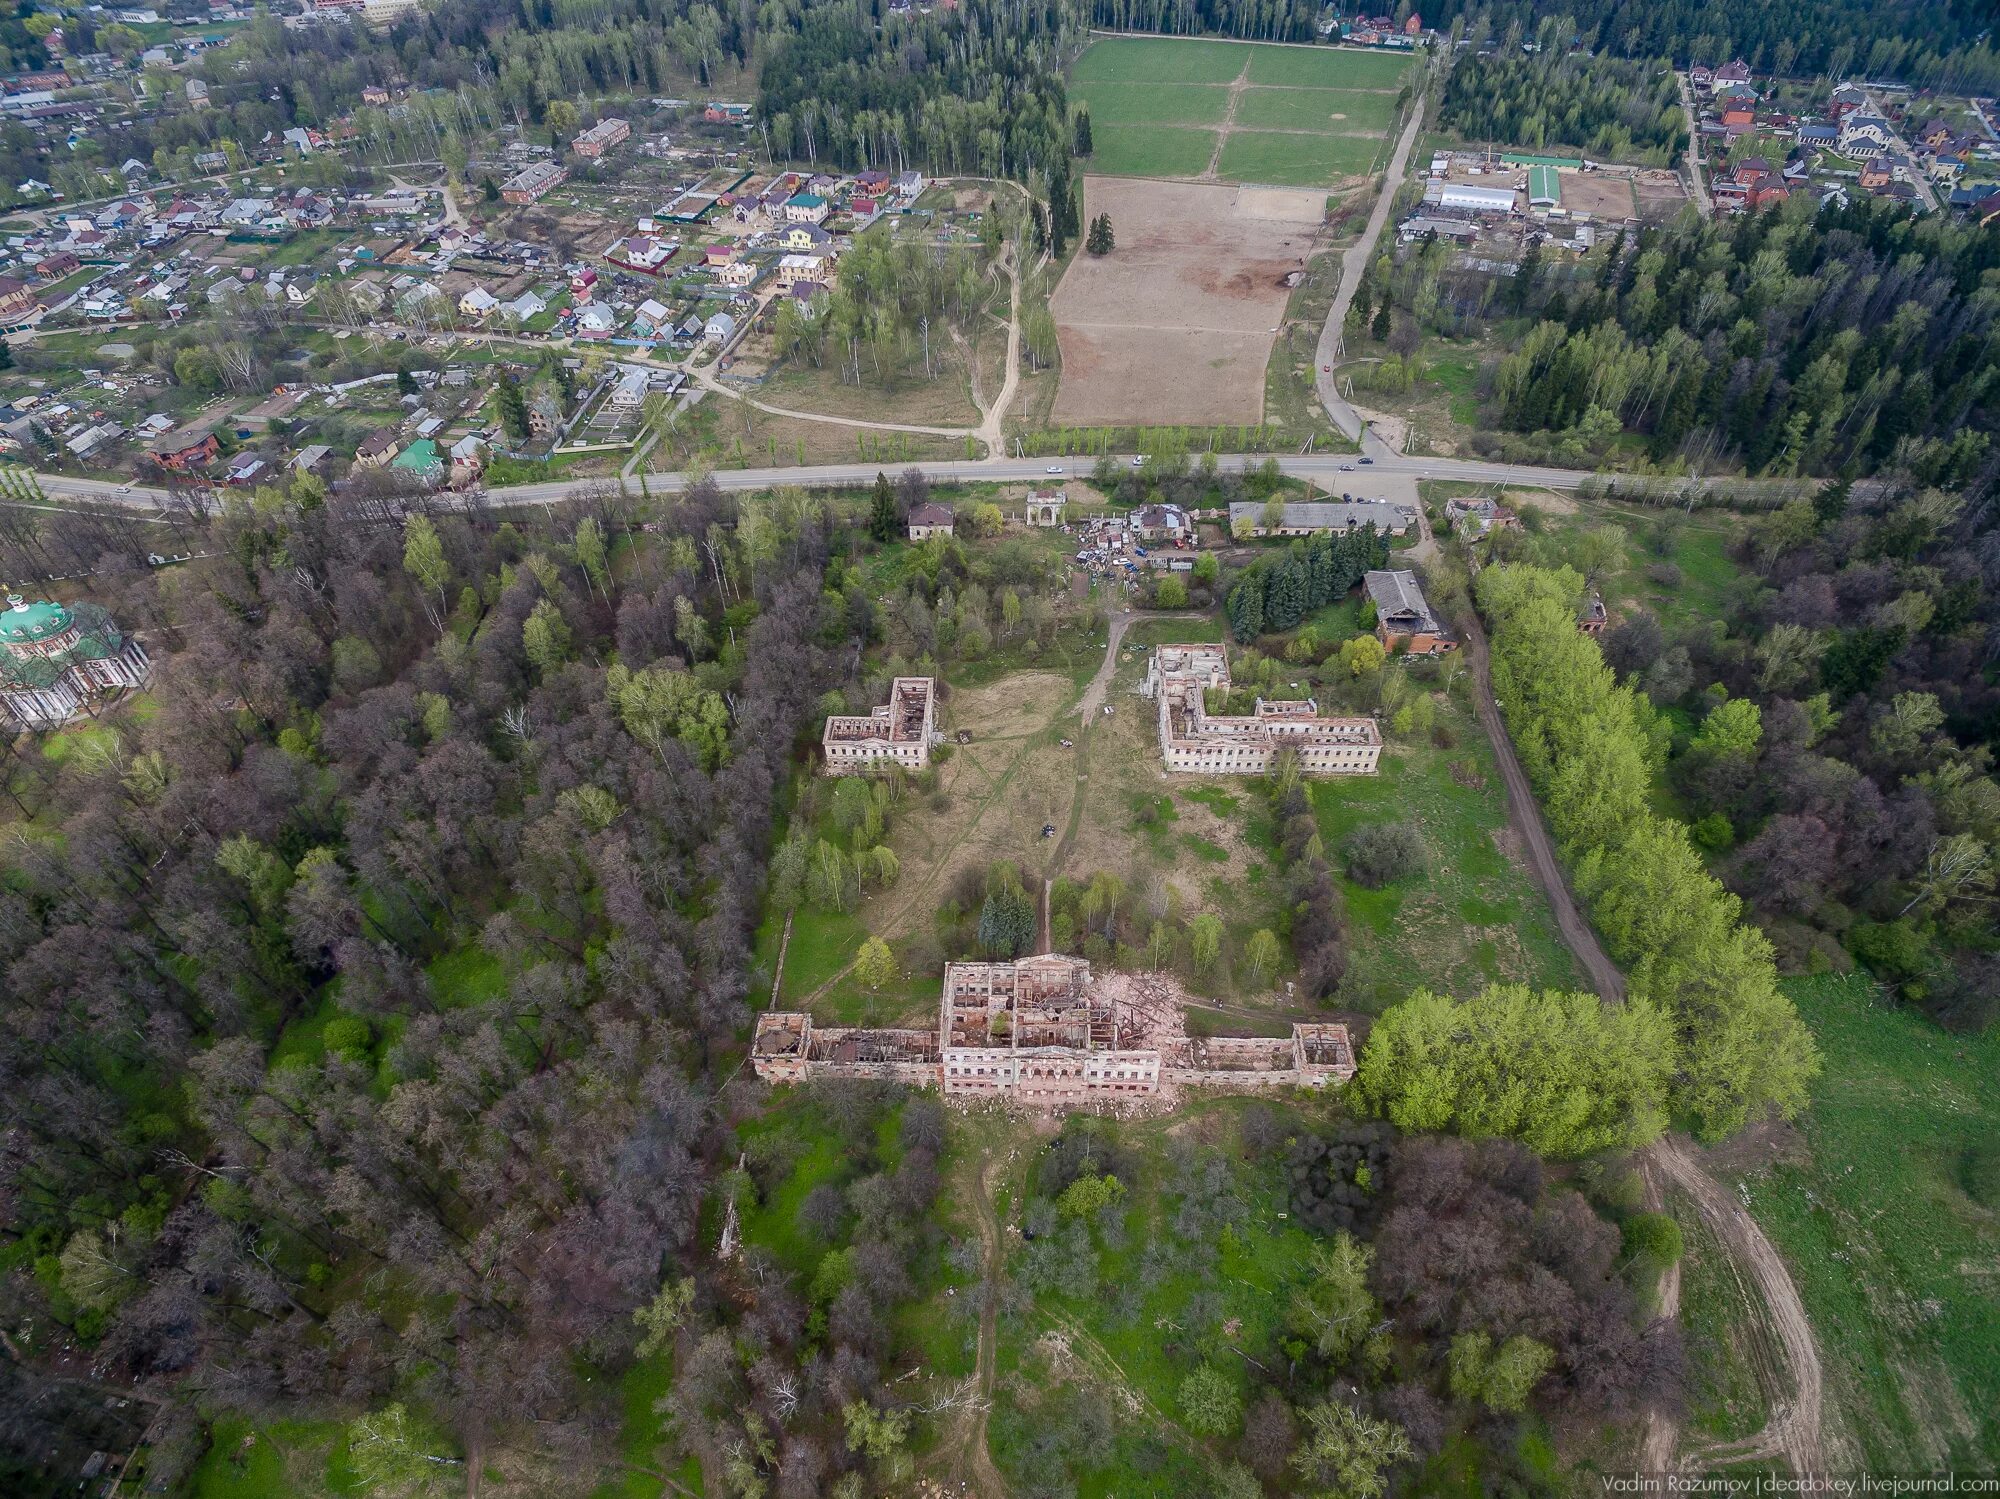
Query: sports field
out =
(1237, 111)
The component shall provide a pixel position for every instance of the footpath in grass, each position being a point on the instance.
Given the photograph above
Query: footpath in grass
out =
(1890, 1222)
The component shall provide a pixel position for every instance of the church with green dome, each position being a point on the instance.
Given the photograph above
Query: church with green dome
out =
(57, 661)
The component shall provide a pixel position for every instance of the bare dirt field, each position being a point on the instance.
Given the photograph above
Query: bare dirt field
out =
(1175, 326)
(1606, 195)
(1661, 195)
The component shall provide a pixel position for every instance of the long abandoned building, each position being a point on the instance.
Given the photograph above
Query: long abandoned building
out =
(1042, 1032)
(899, 732)
(1194, 741)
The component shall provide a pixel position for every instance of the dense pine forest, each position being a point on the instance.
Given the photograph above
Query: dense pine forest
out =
(1858, 339)
(1937, 45)
(1602, 107)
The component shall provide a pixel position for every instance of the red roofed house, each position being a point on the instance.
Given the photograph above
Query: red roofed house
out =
(180, 451)
(55, 267)
(1414, 26)
(1751, 168)
(1732, 118)
(583, 281)
(1764, 192)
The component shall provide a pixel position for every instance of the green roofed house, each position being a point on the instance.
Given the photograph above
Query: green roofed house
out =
(420, 460)
(1544, 188)
(56, 661)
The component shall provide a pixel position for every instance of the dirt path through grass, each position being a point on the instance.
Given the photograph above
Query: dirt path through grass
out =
(1794, 1432)
(1237, 85)
(973, 1463)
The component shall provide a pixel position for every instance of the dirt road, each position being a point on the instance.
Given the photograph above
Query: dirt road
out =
(1577, 935)
(972, 1464)
(1794, 1432)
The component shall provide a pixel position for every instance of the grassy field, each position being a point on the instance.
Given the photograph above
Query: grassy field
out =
(1724, 1325)
(1890, 1221)
(1286, 116)
(1473, 915)
(1115, 104)
(1151, 151)
(1342, 111)
(1289, 159)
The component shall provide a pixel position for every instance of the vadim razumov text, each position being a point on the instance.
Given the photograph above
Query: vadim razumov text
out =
(1834, 1485)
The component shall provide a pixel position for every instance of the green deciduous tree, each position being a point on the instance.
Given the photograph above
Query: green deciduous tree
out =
(1560, 1072)
(1346, 1454)
(874, 965)
(1211, 1405)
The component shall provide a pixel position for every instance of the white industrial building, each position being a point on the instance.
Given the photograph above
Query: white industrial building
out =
(1465, 198)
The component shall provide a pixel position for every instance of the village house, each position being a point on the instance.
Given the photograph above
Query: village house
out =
(805, 239)
(929, 519)
(478, 302)
(601, 137)
(719, 330)
(1863, 135)
(1162, 523)
(420, 461)
(183, 450)
(899, 732)
(1038, 1031)
(805, 208)
(525, 306)
(739, 273)
(1403, 619)
(378, 448)
(468, 461)
(55, 661)
(1192, 741)
(793, 269)
(17, 301)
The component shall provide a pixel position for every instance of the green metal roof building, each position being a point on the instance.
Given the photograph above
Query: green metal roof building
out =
(1544, 187)
(31, 624)
(422, 459)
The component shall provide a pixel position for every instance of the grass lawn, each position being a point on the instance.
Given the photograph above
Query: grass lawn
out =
(1285, 160)
(1473, 915)
(1158, 59)
(1150, 151)
(1891, 1226)
(1150, 104)
(1326, 67)
(284, 1460)
(1330, 111)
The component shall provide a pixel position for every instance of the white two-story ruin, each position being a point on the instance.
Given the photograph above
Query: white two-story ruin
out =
(1043, 1032)
(1194, 741)
(899, 732)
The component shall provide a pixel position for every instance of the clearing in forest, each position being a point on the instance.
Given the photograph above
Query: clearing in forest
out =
(1286, 116)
